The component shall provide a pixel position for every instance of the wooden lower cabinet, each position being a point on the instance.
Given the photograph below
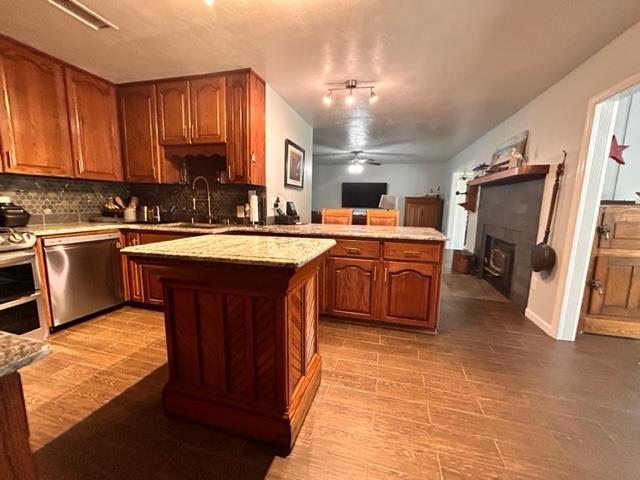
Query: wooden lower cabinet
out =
(409, 294)
(399, 292)
(352, 287)
(132, 271)
(142, 285)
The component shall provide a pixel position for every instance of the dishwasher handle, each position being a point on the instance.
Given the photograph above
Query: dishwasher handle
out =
(50, 242)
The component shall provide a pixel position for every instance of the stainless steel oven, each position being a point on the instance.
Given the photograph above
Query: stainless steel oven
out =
(21, 305)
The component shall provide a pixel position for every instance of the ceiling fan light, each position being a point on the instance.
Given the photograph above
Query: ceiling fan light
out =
(328, 99)
(355, 168)
(209, 3)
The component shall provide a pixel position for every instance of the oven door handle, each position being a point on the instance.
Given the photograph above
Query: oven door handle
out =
(20, 301)
(16, 258)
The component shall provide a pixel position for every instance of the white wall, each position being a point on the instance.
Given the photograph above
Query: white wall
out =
(556, 120)
(623, 181)
(283, 122)
(403, 179)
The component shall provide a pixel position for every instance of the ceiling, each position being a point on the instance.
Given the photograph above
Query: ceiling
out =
(446, 71)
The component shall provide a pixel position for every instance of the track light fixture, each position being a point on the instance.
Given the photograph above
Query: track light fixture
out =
(350, 86)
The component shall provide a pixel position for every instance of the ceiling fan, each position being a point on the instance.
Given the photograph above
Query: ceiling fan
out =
(359, 159)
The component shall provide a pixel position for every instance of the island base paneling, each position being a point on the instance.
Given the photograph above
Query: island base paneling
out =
(242, 345)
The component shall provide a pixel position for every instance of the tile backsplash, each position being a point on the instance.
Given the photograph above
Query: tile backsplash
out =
(61, 200)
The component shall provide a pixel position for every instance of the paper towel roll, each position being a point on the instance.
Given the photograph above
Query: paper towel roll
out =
(253, 205)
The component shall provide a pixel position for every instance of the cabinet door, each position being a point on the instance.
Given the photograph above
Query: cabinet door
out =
(208, 110)
(151, 286)
(139, 133)
(238, 127)
(619, 278)
(133, 272)
(409, 293)
(34, 124)
(173, 112)
(352, 287)
(623, 225)
(94, 127)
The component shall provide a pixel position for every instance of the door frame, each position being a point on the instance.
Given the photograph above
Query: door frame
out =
(585, 204)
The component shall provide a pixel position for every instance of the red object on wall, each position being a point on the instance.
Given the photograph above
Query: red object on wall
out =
(616, 150)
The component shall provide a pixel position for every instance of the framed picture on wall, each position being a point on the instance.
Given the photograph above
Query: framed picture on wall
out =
(293, 165)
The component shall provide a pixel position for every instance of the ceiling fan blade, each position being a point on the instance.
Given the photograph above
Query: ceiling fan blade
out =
(375, 164)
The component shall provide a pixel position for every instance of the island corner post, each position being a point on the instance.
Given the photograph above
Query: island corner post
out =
(242, 344)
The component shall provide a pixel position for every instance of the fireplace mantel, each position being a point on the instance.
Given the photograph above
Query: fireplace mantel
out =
(512, 175)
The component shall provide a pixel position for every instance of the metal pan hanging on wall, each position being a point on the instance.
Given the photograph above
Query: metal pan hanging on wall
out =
(543, 256)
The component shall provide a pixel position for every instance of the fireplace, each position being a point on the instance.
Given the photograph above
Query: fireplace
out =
(497, 267)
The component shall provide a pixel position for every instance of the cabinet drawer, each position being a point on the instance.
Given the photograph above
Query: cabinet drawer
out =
(356, 249)
(417, 252)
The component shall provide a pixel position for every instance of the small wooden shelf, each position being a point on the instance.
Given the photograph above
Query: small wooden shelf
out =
(512, 175)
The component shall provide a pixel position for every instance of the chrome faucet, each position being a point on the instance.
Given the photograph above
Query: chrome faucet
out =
(206, 183)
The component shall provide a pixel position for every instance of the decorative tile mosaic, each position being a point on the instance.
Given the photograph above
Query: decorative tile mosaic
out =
(61, 200)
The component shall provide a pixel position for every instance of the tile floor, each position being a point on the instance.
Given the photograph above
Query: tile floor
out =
(490, 397)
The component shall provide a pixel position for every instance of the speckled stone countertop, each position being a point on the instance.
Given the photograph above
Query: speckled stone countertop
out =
(354, 231)
(17, 352)
(88, 227)
(311, 229)
(243, 249)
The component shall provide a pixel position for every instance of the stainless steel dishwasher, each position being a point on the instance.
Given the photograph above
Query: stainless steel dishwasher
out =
(84, 275)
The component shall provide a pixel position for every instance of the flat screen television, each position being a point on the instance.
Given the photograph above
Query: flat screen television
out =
(362, 194)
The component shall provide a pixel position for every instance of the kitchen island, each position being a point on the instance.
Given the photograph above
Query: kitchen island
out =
(15, 453)
(241, 316)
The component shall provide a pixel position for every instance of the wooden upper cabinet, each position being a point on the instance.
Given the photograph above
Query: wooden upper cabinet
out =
(93, 117)
(208, 110)
(246, 128)
(139, 133)
(620, 227)
(34, 126)
(409, 293)
(173, 112)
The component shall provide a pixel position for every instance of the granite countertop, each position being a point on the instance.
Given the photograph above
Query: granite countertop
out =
(356, 231)
(88, 227)
(240, 249)
(17, 352)
(311, 229)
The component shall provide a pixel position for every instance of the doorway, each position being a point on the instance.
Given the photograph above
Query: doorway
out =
(602, 292)
(459, 218)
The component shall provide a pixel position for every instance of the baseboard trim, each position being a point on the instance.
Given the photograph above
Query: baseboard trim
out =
(540, 323)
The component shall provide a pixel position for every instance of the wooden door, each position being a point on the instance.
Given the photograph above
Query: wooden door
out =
(352, 287)
(620, 227)
(208, 110)
(173, 112)
(237, 91)
(409, 293)
(151, 286)
(34, 124)
(94, 127)
(139, 133)
(618, 280)
(133, 273)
